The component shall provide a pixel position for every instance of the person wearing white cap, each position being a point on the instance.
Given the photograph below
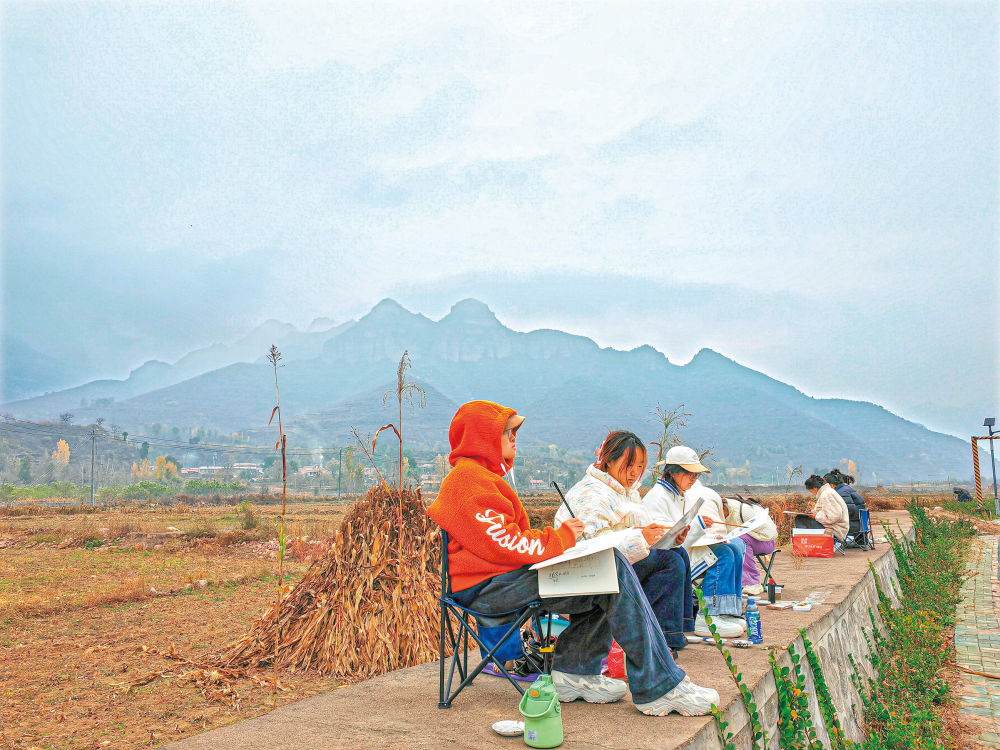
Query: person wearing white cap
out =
(677, 489)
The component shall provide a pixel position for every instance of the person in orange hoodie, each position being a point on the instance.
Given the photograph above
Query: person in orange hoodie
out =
(491, 547)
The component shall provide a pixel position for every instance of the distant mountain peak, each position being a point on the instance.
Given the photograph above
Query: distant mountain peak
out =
(150, 365)
(390, 311)
(321, 324)
(389, 305)
(269, 328)
(389, 308)
(710, 356)
(471, 311)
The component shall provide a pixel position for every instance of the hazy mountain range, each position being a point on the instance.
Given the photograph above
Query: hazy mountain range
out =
(572, 390)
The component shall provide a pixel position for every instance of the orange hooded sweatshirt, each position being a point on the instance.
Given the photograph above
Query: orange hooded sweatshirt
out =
(488, 529)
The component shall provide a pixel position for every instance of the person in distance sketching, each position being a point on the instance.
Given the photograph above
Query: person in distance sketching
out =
(828, 512)
(854, 502)
(491, 547)
(607, 499)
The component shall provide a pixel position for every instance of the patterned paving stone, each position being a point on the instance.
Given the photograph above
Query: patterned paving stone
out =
(977, 639)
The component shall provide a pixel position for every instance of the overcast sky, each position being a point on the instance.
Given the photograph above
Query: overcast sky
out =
(808, 188)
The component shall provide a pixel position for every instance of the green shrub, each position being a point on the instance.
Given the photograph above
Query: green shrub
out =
(247, 516)
(145, 490)
(211, 486)
(51, 491)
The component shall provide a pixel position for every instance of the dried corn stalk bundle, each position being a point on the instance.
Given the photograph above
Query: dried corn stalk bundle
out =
(358, 612)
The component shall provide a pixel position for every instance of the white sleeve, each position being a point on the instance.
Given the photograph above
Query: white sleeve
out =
(662, 509)
(634, 546)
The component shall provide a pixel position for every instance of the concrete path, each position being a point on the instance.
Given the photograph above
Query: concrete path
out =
(977, 642)
(399, 709)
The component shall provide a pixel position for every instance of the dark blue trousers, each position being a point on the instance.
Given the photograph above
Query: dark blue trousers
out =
(593, 620)
(665, 576)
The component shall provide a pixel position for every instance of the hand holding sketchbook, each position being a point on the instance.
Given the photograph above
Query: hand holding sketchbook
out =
(669, 539)
(711, 536)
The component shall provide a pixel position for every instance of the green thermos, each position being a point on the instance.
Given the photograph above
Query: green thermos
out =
(542, 714)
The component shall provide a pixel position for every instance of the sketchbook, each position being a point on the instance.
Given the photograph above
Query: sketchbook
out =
(669, 540)
(584, 569)
(711, 536)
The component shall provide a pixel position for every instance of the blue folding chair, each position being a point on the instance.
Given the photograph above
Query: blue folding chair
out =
(457, 637)
(864, 539)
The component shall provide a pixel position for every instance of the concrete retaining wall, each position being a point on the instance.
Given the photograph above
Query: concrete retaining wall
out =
(841, 632)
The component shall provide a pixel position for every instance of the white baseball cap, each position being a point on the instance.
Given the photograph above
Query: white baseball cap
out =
(686, 458)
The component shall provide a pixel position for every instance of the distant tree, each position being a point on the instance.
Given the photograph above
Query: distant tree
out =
(142, 471)
(175, 431)
(739, 474)
(670, 422)
(440, 466)
(99, 422)
(66, 417)
(175, 461)
(60, 456)
(164, 470)
(24, 470)
(144, 450)
(156, 428)
(125, 436)
(114, 431)
(791, 472)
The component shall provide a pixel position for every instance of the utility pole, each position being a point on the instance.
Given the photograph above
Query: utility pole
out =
(93, 443)
(988, 424)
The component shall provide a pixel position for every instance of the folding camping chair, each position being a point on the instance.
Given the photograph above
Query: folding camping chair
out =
(458, 637)
(864, 539)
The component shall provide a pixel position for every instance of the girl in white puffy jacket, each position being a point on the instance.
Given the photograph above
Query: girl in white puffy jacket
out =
(607, 499)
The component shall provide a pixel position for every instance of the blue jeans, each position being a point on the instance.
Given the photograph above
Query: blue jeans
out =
(593, 621)
(665, 576)
(722, 587)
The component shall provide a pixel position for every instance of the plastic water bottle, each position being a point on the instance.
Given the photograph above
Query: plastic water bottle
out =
(754, 632)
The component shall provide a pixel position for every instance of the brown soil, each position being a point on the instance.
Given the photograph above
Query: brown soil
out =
(79, 626)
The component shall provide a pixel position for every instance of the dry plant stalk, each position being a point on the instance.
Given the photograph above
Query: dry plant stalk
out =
(357, 613)
(404, 390)
(670, 422)
(274, 356)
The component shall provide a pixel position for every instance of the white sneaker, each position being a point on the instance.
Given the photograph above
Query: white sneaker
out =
(593, 688)
(734, 620)
(686, 699)
(725, 626)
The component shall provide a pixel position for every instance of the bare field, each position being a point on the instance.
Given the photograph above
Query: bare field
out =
(92, 603)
